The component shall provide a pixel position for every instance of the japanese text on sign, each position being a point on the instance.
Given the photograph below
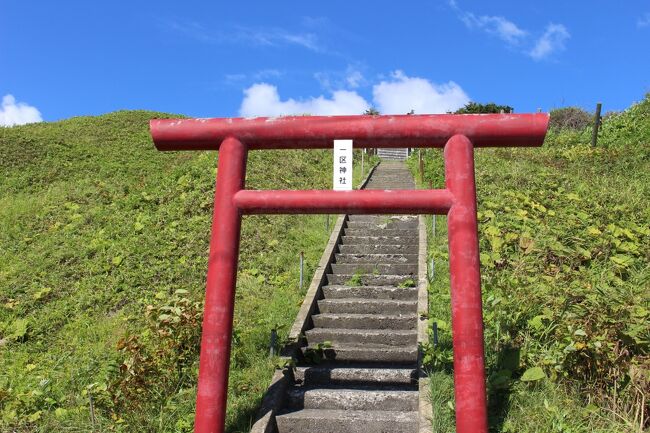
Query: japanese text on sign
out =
(342, 165)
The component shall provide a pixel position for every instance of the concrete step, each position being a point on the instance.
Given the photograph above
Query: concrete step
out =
(392, 187)
(378, 249)
(370, 279)
(347, 421)
(386, 224)
(377, 258)
(388, 184)
(373, 353)
(371, 292)
(392, 184)
(375, 268)
(366, 306)
(365, 321)
(389, 337)
(382, 218)
(301, 397)
(378, 231)
(316, 375)
(380, 240)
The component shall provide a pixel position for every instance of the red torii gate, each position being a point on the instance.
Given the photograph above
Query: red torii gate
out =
(458, 134)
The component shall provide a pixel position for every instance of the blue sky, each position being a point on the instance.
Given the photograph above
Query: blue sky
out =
(218, 59)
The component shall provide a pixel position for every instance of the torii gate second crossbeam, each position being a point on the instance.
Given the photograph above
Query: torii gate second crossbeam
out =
(458, 134)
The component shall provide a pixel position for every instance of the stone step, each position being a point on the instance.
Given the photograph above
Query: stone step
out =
(347, 421)
(396, 176)
(406, 280)
(376, 258)
(301, 397)
(380, 240)
(392, 183)
(386, 224)
(371, 292)
(366, 306)
(375, 268)
(320, 374)
(392, 187)
(380, 232)
(382, 218)
(365, 321)
(378, 249)
(373, 353)
(389, 337)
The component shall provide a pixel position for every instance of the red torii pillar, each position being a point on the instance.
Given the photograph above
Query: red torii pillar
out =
(458, 134)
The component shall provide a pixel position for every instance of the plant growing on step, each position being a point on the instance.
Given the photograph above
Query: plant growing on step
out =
(316, 353)
(288, 367)
(356, 279)
(409, 282)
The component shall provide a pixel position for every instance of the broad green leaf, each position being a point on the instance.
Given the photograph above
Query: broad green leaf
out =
(533, 374)
(622, 260)
(536, 322)
(593, 231)
(35, 416)
(19, 329)
(492, 231)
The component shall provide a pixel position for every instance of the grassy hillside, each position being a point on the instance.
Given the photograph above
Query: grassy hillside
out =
(565, 255)
(103, 252)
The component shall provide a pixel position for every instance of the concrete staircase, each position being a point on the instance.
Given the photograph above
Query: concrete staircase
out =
(399, 154)
(359, 367)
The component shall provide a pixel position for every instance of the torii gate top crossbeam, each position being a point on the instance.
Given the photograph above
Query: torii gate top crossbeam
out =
(317, 132)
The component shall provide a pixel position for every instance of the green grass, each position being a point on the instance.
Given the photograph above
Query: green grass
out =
(103, 253)
(565, 247)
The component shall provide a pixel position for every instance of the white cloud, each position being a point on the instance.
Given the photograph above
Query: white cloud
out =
(402, 94)
(276, 37)
(644, 21)
(495, 25)
(397, 95)
(354, 78)
(350, 78)
(12, 113)
(551, 41)
(263, 99)
(255, 36)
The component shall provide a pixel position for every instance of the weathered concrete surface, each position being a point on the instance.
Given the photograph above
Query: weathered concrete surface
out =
(391, 337)
(368, 352)
(362, 376)
(347, 421)
(370, 279)
(378, 249)
(365, 321)
(353, 399)
(366, 306)
(371, 292)
(376, 258)
(375, 268)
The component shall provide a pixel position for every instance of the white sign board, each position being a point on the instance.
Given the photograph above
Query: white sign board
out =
(342, 165)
